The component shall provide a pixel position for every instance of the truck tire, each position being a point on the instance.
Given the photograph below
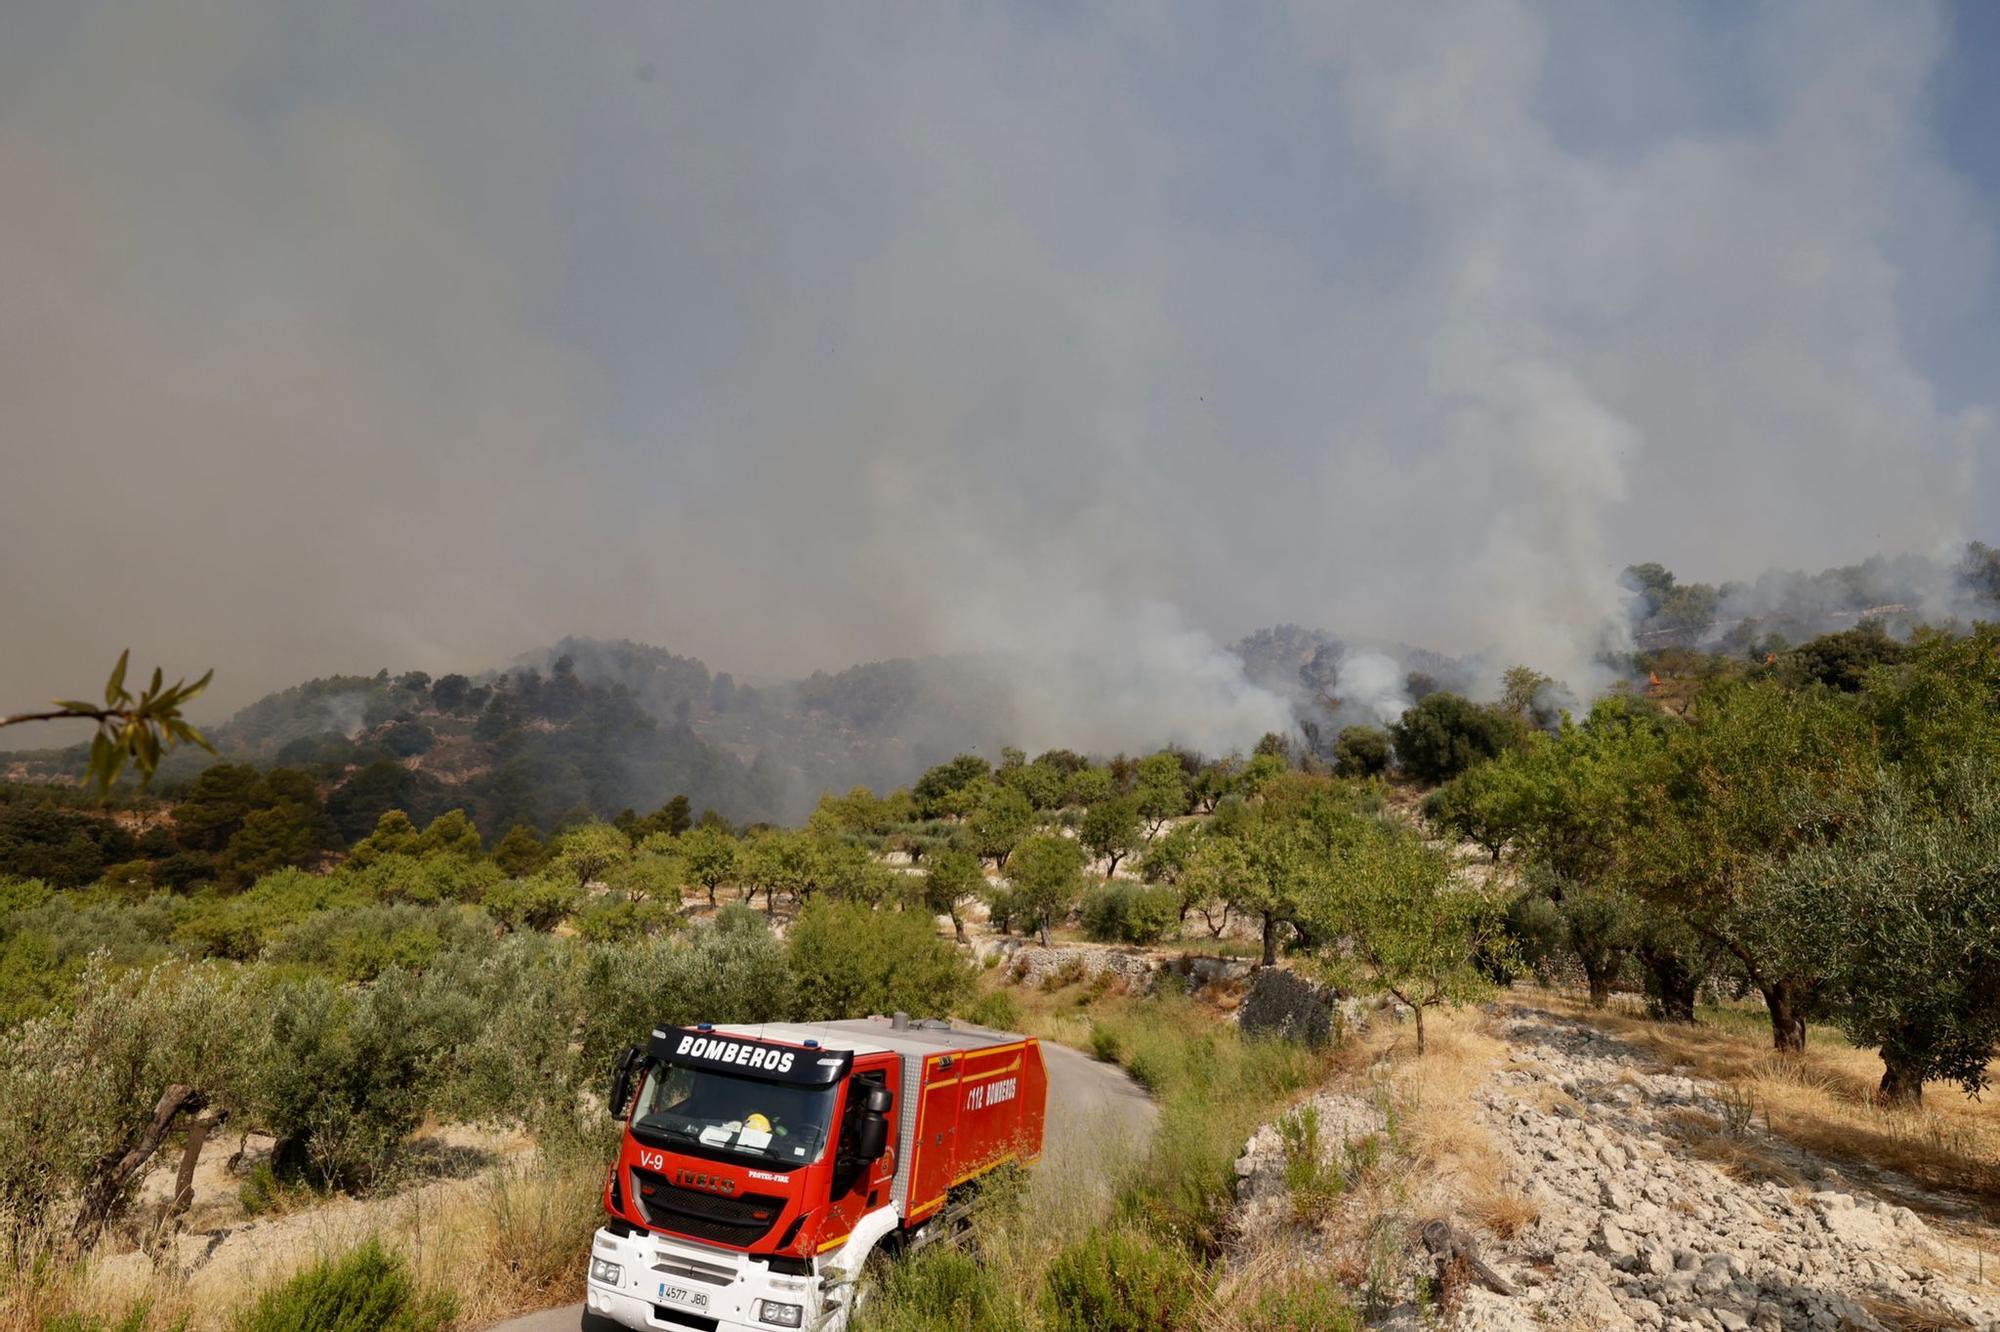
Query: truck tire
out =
(595, 1322)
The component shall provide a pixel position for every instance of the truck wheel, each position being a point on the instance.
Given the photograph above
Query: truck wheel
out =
(596, 1322)
(874, 1275)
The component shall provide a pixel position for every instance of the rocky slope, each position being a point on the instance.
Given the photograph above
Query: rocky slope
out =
(1636, 1223)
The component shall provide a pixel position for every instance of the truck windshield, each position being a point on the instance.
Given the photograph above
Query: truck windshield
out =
(762, 1121)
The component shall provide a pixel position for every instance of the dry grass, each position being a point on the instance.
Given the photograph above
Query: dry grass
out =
(1504, 1211)
(1911, 1318)
(523, 1228)
(1443, 1159)
(1737, 1155)
(1822, 1100)
(1438, 1124)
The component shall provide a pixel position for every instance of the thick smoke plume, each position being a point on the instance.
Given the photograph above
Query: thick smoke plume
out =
(347, 337)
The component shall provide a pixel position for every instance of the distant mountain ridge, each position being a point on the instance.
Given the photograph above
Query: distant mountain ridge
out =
(598, 726)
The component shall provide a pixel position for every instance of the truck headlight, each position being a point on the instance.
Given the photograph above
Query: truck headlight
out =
(609, 1273)
(779, 1315)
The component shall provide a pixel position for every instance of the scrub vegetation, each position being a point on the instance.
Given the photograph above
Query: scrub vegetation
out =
(1815, 831)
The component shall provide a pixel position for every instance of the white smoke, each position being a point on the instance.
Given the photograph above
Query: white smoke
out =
(1372, 686)
(1142, 676)
(857, 334)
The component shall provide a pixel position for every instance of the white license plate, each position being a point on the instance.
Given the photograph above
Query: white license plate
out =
(693, 1299)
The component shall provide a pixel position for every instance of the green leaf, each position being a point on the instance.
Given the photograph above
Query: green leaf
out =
(116, 688)
(104, 763)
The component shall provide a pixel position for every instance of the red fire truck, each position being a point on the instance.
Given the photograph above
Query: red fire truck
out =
(762, 1166)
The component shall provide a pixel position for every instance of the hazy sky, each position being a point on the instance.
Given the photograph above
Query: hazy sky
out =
(416, 335)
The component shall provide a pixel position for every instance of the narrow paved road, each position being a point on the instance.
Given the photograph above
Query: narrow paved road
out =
(1089, 1104)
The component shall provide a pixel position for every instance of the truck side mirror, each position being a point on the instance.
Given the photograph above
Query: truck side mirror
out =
(871, 1131)
(871, 1139)
(622, 1071)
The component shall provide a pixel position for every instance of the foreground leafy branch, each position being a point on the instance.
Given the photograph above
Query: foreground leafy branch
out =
(129, 730)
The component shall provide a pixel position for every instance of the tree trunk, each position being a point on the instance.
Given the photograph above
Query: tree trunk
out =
(1902, 1080)
(1418, 1009)
(115, 1169)
(1788, 1019)
(1270, 940)
(1673, 985)
(1597, 974)
(198, 1130)
(957, 925)
(1902, 1083)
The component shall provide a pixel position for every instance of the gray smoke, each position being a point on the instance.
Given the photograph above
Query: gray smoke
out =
(346, 337)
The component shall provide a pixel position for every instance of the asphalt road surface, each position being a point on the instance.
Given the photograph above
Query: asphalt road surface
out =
(1090, 1104)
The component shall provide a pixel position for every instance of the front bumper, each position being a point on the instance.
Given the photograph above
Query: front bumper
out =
(722, 1288)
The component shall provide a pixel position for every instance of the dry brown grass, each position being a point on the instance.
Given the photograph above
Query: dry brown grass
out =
(1740, 1157)
(523, 1228)
(1912, 1318)
(1505, 1211)
(1822, 1100)
(1439, 1125)
(1447, 1162)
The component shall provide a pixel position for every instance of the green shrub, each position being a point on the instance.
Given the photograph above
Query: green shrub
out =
(367, 1290)
(995, 1009)
(1305, 1304)
(1121, 1279)
(540, 903)
(1123, 912)
(710, 974)
(1104, 1043)
(341, 1078)
(359, 944)
(609, 919)
(429, 879)
(849, 960)
(1361, 751)
(1314, 1182)
(735, 918)
(262, 1192)
(23, 894)
(1002, 906)
(1213, 1087)
(943, 1290)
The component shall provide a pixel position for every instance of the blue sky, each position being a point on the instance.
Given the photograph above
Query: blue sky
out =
(415, 335)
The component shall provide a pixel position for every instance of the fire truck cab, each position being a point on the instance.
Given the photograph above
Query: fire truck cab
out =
(761, 1166)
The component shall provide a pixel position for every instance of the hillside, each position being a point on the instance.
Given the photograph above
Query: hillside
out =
(591, 726)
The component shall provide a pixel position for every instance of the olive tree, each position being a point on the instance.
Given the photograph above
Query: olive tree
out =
(952, 876)
(1111, 830)
(999, 824)
(88, 1096)
(1403, 924)
(1045, 881)
(1900, 918)
(710, 856)
(1762, 775)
